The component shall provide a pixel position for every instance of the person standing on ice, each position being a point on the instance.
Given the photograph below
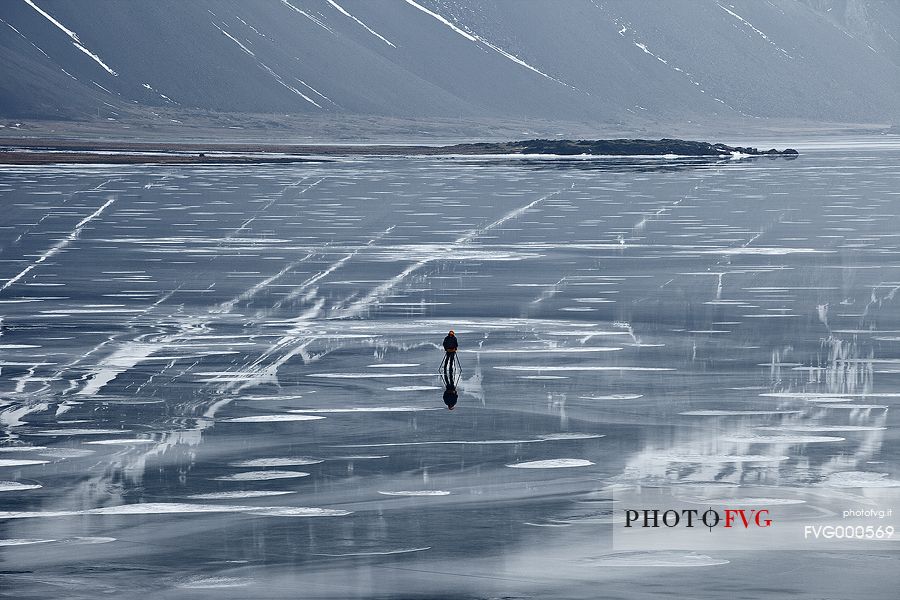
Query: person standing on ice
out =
(450, 394)
(450, 346)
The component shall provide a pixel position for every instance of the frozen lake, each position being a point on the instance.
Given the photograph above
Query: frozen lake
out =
(222, 381)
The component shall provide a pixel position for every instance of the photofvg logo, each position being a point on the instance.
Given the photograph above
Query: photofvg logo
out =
(727, 518)
(750, 518)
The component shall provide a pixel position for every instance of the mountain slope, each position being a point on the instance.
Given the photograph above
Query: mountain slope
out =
(583, 60)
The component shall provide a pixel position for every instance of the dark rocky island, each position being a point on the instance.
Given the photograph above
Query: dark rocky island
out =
(42, 151)
(618, 147)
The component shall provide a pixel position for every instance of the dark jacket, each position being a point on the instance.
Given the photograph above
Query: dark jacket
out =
(450, 343)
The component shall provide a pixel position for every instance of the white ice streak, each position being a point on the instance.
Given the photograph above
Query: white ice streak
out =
(207, 583)
(365, 409)
(55, 249)
(122, 442)
(781, 439)
(170, 508)
(417, 493)
(412, 388)
(277, 462)
(719, 458)
(823, 428)
(654, 558)
(736, 413)
(239, 495)
(480, 40)
(542, 438)
(261, 476)
(746, 501)
(366, 27)
(79, 431)
(580, 368)
(377, 552)
(369, 375)
(23, 542)
(21, 462)
(355, 309)
(15, 486)
(859, 479)
(120, 361)
(764, 251)
(73, 36)
(553, 463)
(272, 418)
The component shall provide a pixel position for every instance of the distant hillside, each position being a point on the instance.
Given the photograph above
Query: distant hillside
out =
(580, 60)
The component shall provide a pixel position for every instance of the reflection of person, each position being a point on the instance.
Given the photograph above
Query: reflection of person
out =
(450, 396)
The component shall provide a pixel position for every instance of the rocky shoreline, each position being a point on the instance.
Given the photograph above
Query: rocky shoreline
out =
(15, 151)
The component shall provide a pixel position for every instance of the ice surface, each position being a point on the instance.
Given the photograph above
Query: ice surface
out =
(227, 344)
